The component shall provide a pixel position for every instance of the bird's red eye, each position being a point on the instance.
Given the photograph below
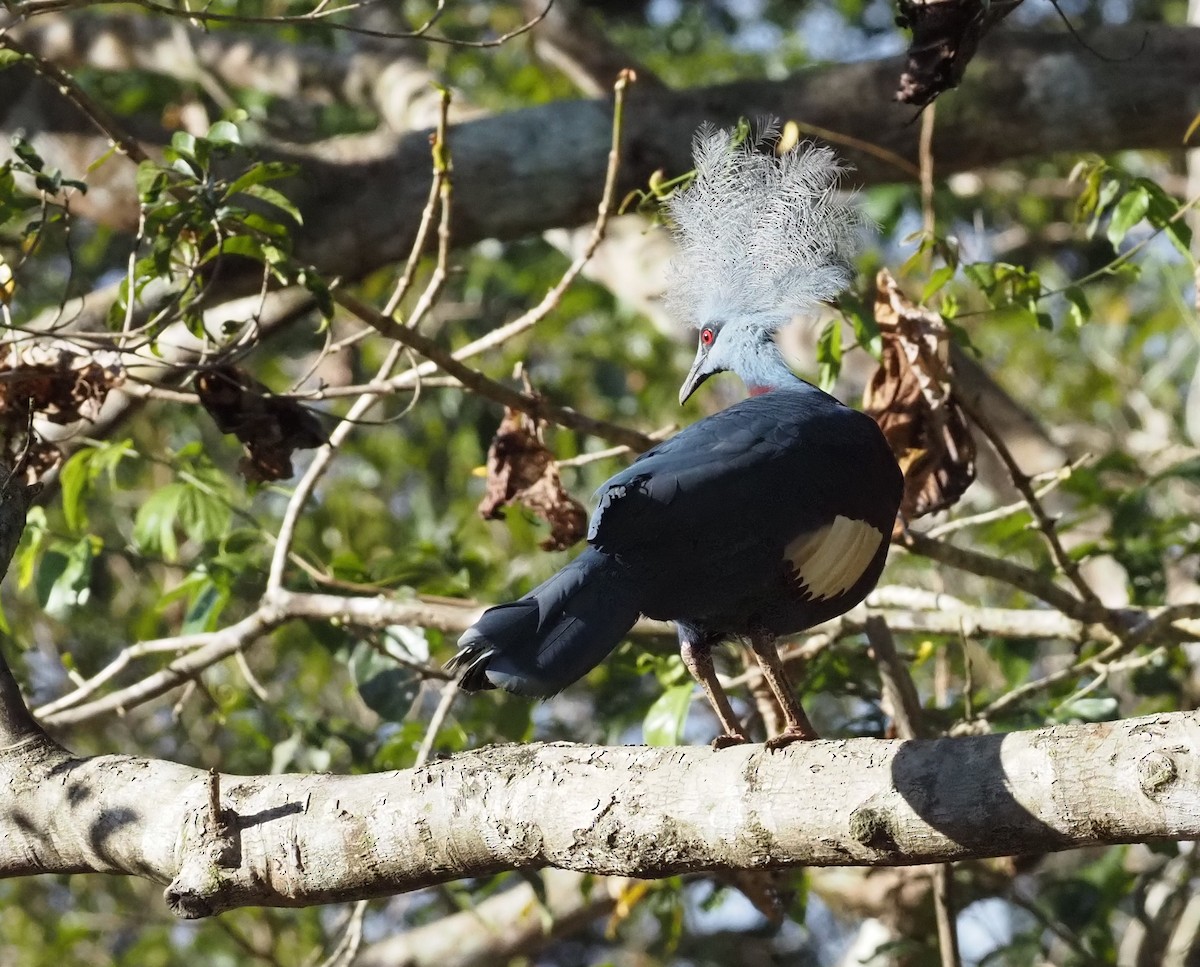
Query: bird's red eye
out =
(707, 336)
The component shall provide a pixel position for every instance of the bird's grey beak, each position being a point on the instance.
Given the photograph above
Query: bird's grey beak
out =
(695, 377)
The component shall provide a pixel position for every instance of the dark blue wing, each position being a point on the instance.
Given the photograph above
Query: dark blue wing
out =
(726, 495)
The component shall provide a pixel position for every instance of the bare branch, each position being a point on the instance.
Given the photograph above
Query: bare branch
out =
(907, 610)
(571, 38)
(1016, 575)
(361, 197)
(516, 922)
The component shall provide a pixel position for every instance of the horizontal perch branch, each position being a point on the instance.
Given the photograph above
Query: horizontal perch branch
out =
(296, 840)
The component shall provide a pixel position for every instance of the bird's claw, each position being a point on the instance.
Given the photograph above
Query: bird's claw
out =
(788, 736)
(727, 740)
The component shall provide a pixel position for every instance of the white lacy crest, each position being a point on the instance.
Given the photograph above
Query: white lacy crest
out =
(760, 234)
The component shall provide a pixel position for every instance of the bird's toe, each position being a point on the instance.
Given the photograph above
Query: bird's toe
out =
(788, 736)
(727, 740)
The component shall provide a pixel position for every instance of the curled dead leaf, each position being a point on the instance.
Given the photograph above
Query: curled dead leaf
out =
(911, 397)
(521, 470)
(55, 382)
(270, 428)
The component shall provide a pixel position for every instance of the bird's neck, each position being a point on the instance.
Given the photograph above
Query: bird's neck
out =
(765, 370)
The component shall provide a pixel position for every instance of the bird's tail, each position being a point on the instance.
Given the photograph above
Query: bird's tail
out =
(553, 636)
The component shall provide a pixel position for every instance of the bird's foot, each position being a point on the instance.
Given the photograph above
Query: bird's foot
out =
(789, 735)
(728, 739)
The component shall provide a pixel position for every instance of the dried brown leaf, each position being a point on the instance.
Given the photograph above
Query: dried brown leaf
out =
(945, 36)
(269, 427)
(912, 399)
(521, 470)
(37, 459)
(54, 382)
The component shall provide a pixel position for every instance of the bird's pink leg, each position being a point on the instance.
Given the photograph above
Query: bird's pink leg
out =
(698, 659)
(799, 728)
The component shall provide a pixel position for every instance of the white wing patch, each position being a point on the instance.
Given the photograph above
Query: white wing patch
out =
(829, 561)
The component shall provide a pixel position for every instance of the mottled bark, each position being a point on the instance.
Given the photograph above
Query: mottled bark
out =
(646, 812)
(543, 167)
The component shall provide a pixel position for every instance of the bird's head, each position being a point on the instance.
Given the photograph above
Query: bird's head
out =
(743, 346)
(763, 237)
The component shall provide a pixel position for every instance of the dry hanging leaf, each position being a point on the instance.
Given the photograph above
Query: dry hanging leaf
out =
(55, 382)
(911, 398)
(270, 428)
(520, 469)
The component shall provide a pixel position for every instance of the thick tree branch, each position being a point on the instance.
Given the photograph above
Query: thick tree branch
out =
(539, 168)
(646, 812)
(16, 724)
(379, 75)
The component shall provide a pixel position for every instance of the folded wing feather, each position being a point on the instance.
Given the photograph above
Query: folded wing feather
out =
(829, 561)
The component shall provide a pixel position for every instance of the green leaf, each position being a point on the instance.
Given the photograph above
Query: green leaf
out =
(983, 274)
(664, 721)
(223, 132)
(388, 688)
(183, 144)
(203, 515)
(8, 57)
(1127, 212)
(74, 479)
(64, 579)
(1107, 193)
(268, 226)
(29, 556)
(937, 280)
(1163, 214)
(150, 181)
(154, 525)
(24, 150)
(49, 570)
(273, 196)
(1078, 310)
(829, 354)
(244, 245)
(258, 174)
(205, 608)
(318, 288)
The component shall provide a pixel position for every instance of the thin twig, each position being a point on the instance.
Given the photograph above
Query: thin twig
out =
(477, 382)
(348, 944)
(925, 154)
(324, 455)
(909, 719)
(321, 17)
(441, 174)
(87, 105)
(1011, 573)
(449, 693)
(1045, 524)
(502, 334)
(1053, 480)
(1146, 630)
(898, 685)
(943, 907)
